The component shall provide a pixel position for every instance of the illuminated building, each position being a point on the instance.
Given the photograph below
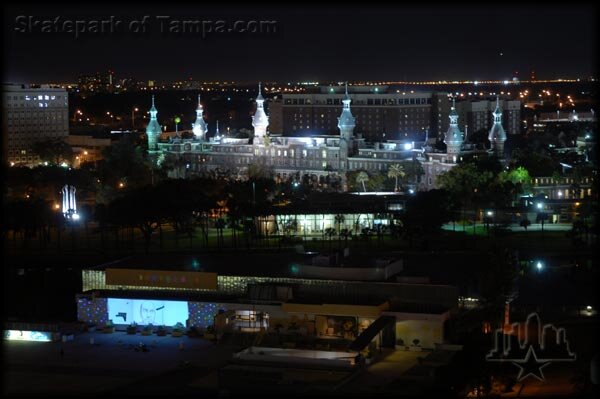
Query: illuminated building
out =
(380, 113)
(323, 302)
(288, 157)
(29, 115)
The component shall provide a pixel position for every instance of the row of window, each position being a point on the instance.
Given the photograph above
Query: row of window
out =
(370, 101)
(33, 98)
(550, 180)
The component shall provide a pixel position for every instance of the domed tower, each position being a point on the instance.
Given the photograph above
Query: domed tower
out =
(497, 135)
(346, 124)
(260, 120)
(199, 128)
(346, 121)
(453, 137)
(153, 129)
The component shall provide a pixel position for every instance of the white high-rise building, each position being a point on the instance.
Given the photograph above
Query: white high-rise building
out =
(29, 115)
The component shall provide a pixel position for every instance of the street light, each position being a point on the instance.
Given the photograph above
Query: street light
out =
(133, 111)
(541, 215)
(539, 265)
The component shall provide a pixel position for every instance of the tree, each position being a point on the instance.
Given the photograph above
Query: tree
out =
(413, 169)
(339, 220)
(124, 162)
(396, 171)
(361, 178)
(425, 214)
(54, 150)
(464, 182)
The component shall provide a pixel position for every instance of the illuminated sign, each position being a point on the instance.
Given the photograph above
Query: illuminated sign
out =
(147, 311)
(161, 278)
(20, 335)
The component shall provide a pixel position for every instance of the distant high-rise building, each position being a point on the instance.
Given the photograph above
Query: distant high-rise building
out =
(380, 115)
(30, 115)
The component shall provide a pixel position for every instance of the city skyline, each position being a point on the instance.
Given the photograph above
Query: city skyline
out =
(460, 43)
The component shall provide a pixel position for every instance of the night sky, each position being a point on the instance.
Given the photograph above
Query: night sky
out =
(334, 43)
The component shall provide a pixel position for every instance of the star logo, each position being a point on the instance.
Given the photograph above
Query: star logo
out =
(531, 346)
(531, 366)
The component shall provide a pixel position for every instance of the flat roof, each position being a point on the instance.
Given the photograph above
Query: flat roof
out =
(277, 264)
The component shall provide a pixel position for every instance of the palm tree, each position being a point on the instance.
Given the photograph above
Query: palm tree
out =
(361, 178)
(339, 220)
(396, 171)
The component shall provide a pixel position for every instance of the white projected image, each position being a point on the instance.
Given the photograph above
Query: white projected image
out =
(147, 311)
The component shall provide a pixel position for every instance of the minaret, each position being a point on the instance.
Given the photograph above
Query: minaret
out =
(346, 124)
(346, 121)
(454, 137)
(217, 134)
(153, 129)
(497, 136)
(260, 120)
(199, 128)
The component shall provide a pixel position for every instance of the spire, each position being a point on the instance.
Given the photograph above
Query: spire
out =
(497, 135)
(153, 129)
(199, 127)
(453, 137)
(346, 121)
(453, 114)
(217, 131)
(260, 120)
(259, 97)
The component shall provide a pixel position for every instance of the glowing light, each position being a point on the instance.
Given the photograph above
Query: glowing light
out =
(75, 216)
(19, 335)
(540, 205)
(490, 213)
(64, 165)
(407, 146)
(539, 265)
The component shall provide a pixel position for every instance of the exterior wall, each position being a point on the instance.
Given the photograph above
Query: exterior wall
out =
(237, 285)
(30, 115)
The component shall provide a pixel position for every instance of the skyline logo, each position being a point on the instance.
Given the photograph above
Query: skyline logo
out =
(531, 347)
